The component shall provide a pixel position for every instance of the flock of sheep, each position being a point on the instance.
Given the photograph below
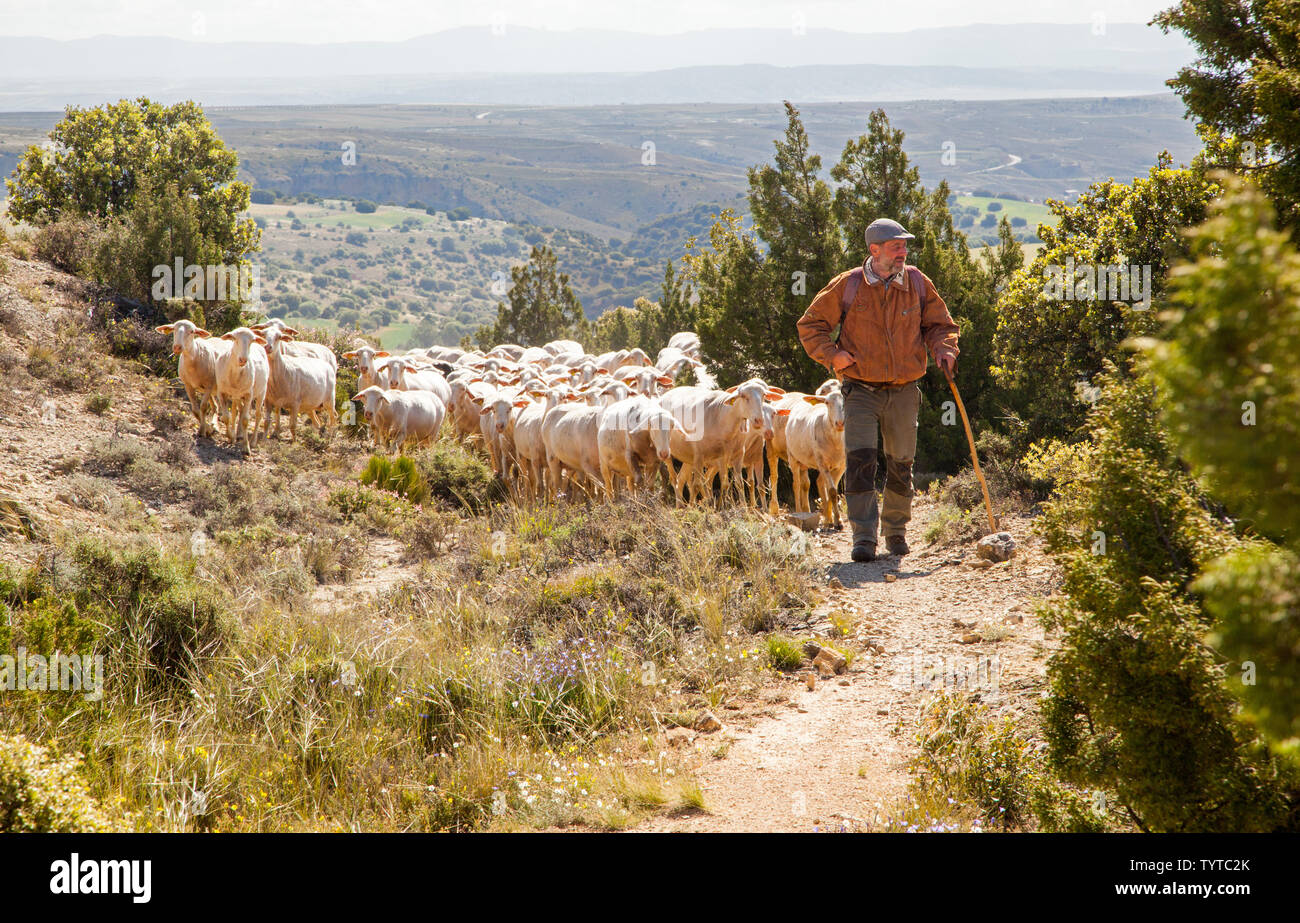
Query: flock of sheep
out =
(553, 419)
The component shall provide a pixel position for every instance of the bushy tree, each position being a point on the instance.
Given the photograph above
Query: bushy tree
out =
(1245, 85)
(542, 307)
(1050, 342)
(877, 181)
(1139, 707)
(751, 294)
(157, 181)
(745, 328)
(1228, 369)
(614, 329)
(101, 157)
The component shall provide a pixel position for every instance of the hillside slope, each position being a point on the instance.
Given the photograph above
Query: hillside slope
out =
(320, 576)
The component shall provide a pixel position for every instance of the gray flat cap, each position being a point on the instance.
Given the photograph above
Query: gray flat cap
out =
(883, 229)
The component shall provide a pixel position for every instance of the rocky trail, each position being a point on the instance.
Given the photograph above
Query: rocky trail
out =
(834, 755)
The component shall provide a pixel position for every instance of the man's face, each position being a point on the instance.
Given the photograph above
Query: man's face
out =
(889, 257)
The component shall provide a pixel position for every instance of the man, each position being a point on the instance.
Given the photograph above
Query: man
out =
(890, 313)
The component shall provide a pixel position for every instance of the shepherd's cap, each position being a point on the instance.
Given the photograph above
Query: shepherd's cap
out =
(884, 229)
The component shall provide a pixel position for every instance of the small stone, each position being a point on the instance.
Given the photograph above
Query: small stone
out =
(811, 679)
(958, 623)
(835, 584)
(707, 723)
(845, 682)
(806, 521)
(890, 578)
(882, 711)
(1015, 618)
(999, 546)
(971, 637)
(811, 649)
(980, 563)
(829, 663)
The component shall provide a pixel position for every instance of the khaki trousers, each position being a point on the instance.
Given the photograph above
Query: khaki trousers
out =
(895, 411)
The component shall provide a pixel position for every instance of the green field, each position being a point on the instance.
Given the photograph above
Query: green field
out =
(975, 207)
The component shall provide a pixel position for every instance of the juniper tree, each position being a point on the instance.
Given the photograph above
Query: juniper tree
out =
(541, 306)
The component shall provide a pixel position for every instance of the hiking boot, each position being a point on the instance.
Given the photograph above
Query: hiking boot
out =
(864, 552)
(896, 545)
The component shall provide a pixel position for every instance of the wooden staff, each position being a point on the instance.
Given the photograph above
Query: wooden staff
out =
(970, 437)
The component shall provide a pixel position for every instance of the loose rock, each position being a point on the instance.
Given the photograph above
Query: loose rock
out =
(707, 723)
(972, 637)
(999, 546)
(829, 663)
(806, 521)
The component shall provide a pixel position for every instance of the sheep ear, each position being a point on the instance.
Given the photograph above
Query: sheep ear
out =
(291, 331)
(382, 352)
(165, 328)
(199, 331)
(783, 412)
(730, 400)
(350, 355)
(732, 389)
(814, 399)
(227, 336)
(664, 380)
(261, 340)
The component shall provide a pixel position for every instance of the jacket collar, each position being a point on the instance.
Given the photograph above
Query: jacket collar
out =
(899, 278)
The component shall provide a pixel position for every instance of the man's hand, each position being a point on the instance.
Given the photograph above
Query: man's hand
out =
(842, 360)
(947, 362)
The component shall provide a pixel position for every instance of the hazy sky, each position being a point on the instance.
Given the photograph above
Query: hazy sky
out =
(388, 20)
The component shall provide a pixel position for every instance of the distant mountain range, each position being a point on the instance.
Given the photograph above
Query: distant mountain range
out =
(526, 66)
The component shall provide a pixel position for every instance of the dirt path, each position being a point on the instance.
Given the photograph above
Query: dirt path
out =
(828, 756)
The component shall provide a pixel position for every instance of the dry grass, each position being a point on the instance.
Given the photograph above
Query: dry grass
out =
(494, 691)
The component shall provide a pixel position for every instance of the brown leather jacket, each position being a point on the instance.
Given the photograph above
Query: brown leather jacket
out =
(885, 331)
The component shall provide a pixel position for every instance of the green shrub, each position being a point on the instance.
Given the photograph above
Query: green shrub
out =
(784, 653)
(129, 338)
(399, 475)
(967, 757)
(1138, 703)
(42, 794)
(68, 243)
(163, 625)
(456, 475)
(98, 403)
